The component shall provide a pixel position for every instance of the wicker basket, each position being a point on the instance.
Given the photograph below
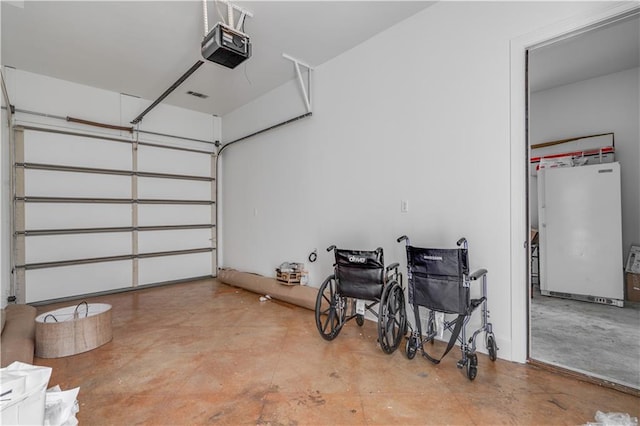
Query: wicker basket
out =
(73, 330)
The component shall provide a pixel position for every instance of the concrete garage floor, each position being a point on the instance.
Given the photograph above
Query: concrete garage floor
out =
(204, 352)
(599, 340)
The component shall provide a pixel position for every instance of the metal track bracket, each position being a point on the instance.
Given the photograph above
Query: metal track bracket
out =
(306, 91)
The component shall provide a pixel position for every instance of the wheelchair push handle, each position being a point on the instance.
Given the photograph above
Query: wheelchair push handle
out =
(462, 242)
(393, 266)
(331, 248)
(403, 238)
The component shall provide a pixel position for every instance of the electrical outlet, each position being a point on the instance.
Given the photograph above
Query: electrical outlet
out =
(404, 206)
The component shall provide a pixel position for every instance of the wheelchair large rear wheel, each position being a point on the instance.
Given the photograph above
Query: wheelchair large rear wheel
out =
(330, 309)
(392, 317)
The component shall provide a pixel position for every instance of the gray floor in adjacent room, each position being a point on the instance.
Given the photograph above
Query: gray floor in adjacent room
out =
(602, 341)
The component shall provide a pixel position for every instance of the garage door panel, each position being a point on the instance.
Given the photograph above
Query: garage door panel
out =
(158, 215)
(46, 183)
(76, 215)
(72, 190)
(168, 240)
(68, 281)
(79, 151)
(153, 159)
(173, 189)
(50, 248)
(169, 268)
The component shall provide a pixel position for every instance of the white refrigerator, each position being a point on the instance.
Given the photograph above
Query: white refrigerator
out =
(580, 226)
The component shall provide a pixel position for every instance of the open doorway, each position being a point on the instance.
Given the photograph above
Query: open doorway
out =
(582, 117)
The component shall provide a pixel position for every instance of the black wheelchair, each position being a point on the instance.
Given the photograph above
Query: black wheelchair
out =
(439, 280)
(360, 282)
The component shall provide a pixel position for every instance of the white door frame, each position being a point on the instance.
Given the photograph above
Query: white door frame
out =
(519, 156)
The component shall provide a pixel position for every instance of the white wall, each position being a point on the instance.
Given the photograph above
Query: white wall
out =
(598, 105)
(420, 113)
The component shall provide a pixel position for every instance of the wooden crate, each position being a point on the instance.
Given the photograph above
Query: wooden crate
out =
(289, 278)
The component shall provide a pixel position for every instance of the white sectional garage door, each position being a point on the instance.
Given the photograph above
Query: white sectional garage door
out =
(98, 214)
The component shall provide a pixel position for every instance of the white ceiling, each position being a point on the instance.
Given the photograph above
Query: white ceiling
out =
(611, 48)
(142, 47)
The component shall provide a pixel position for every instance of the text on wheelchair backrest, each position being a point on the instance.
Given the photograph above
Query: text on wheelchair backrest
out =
(427, 257)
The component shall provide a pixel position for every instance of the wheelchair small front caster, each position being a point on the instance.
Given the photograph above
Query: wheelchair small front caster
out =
(472, 366)
(411, 348)
(492, 348)
(360, 320)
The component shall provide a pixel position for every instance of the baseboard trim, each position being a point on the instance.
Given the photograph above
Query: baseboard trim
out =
(584, 377)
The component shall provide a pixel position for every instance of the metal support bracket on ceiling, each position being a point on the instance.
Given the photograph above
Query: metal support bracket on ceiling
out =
(231, 9)
(306, 91)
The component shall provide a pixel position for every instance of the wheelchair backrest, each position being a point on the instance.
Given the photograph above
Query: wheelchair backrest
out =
(438, 262)
(437, 279)
(360, 274)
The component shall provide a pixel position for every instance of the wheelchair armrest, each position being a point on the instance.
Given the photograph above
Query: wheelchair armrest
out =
(477, 274)
(393, 266)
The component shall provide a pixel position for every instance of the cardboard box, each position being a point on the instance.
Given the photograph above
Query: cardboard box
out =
(633, 287)
(633, 260)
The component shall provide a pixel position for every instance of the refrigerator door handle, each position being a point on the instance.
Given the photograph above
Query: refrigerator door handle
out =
(542, 221)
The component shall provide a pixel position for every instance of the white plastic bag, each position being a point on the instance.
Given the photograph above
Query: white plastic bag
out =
(614, 419)
(61, 407)
(23, 397)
